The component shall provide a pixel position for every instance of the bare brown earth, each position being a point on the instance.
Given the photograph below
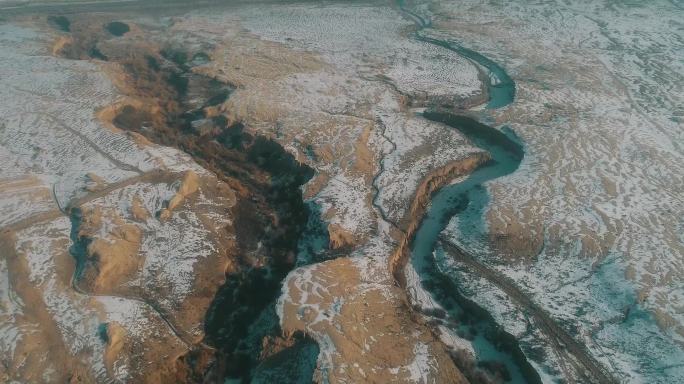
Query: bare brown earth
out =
(431, 183)
(153, 78)
(46, 340)
(373, 335)
(153, 110)
(114, 257)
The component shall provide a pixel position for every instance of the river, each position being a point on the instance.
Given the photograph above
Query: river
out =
(469, 198)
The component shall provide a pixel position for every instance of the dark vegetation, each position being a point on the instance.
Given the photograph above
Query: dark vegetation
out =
(270, 214)
(60, 22)
(292, 365)
(117, 28)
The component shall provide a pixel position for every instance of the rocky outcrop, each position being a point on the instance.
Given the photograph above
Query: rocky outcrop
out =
(115, 258)
(188, 185)
(356, 314)
(431, 183)
(115, 336)
(138, 211)
(339, 237)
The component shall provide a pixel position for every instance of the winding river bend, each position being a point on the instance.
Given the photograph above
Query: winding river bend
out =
(468, 199)
(501, 87)
(489, 341)
(492, 345)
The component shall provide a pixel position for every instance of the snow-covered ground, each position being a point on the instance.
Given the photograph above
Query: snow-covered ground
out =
(53, 151)
(343, 97)
(591, 223)
(368, 40)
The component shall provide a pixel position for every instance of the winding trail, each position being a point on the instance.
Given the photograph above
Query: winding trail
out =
(118, 163)
(157, 176)
(78, 250)
(181, 336)
(150, 176)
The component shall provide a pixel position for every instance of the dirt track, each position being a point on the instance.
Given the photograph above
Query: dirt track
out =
(154, 175)
(565, 345)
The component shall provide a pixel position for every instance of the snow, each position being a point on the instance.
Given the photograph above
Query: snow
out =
(21, 197)
(422, 364)
(366, 39)
(597, 196)
(48, 126)
(10, 308)
(41, 245)
(413, 147)
(50, 139)
(346, 197)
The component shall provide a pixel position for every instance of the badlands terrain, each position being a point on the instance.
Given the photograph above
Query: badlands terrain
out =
(341, 192)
